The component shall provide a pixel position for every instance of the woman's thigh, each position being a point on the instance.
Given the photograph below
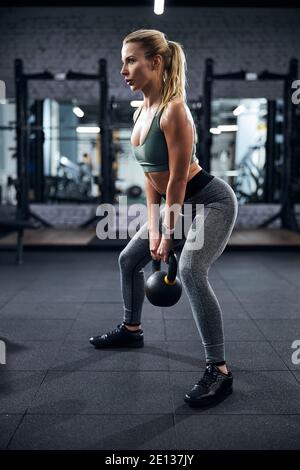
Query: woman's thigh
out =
(208, 236)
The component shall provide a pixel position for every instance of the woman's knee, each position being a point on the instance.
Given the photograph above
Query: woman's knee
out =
(189, 267)
(124, 259)
(129, 260)
(184, 267)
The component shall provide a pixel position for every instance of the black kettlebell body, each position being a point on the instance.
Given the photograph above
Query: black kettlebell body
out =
(164, 289)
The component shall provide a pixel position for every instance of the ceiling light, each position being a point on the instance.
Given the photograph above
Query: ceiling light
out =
(159, 6)
(88, 129)
(78, 111)
(228, 128)
(239, 110)
(214, 130)
(135, 103)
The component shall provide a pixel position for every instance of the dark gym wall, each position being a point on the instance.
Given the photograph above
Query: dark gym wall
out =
(59, 39)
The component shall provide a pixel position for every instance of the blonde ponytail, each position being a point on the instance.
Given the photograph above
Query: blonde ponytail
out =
(174, 70)
(174, 80)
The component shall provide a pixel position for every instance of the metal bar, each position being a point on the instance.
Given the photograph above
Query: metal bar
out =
(289, 220)
(39, 76)
(106, 161)
(39, 177)
(265, 75)
(19, 257)
(270, 152)
(21, 123)
(81, 76)
(230, 76)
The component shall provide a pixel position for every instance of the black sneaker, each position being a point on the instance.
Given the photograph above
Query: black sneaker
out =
(120, 337)
(211, 389)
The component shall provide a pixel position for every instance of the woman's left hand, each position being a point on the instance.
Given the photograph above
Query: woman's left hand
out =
(164, 249)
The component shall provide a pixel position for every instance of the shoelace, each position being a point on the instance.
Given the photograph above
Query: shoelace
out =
(113, 332)
(208, 378)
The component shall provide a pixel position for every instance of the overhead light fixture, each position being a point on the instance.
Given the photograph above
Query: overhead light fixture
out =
(232, 172)
(214, 130)
(78, 111)
(159, 6)
(224, 128)
(228, 128)
(135, 103)
(239, 110)
(64, 160)
(88, 129)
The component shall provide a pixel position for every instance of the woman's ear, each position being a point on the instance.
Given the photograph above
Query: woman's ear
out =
(156, 62)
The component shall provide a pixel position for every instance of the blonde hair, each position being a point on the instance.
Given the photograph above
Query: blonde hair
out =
(174, 63)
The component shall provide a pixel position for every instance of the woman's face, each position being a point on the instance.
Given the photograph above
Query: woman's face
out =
(138, 71)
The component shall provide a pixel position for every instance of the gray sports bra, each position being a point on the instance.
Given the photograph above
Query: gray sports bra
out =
(152, 155)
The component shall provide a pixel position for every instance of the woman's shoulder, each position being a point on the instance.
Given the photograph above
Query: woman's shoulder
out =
(175, 103)
(176, 109)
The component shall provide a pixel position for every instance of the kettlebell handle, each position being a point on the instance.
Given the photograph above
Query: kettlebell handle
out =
(172, 269)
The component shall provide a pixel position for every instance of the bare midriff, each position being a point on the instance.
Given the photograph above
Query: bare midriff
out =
(160, 179)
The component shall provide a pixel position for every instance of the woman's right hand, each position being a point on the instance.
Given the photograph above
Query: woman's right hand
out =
(154, 242)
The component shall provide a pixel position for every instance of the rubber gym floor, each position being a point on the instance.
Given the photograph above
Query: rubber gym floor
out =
(58, 392)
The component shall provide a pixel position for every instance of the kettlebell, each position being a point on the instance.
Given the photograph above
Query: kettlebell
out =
(164, 289)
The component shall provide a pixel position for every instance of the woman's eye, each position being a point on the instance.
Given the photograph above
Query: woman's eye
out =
(129, 60)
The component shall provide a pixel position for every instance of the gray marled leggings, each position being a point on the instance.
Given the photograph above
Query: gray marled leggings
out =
(220, 212)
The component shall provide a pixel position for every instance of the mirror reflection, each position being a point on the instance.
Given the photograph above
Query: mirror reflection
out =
(65, 149)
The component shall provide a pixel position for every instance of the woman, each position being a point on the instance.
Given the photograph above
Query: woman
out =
(163, 141)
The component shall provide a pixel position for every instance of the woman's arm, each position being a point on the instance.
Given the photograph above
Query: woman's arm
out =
(153, 197)
(178, 130)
